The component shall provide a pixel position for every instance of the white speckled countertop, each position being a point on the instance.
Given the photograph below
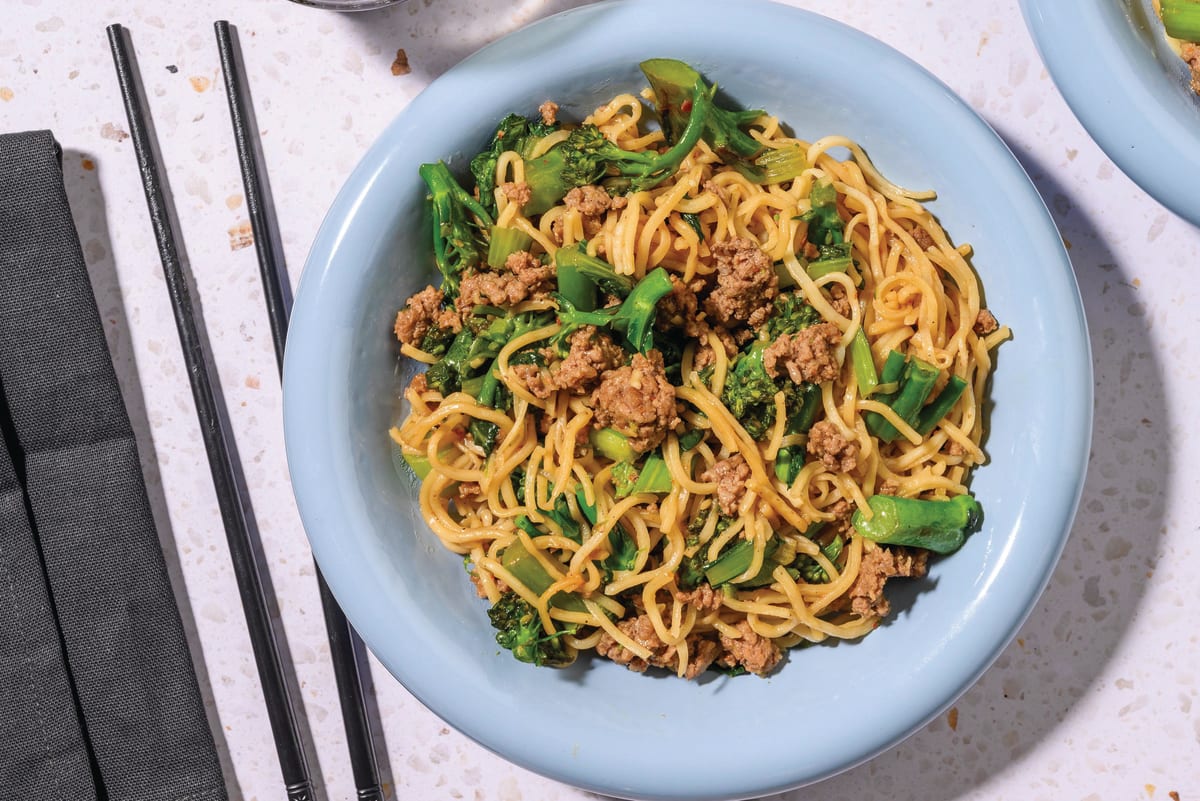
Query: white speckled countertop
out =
(1097, 697)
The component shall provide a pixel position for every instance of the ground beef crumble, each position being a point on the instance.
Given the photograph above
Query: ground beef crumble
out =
(985, 323)
(807, 355)
(638, 401)
(423, 312)
(590, 201)
(1191, 54)
(524, 278)
(878, 565)
(680, 308)
(826, 443)
(702, 651)
(591, 354)
(746, 284)
(755, 653)
(704, 598)
(518, 193)
(730, 476)
(549, 112)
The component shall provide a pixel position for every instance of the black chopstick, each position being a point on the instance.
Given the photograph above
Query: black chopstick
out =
(273, 268)
(280, 711)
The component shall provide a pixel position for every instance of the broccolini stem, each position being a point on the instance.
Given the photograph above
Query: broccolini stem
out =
(938, 526)
(864, 363)
(918, 381)
(1181, 18)
(940, 406)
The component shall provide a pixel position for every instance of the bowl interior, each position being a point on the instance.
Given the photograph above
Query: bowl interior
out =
(597, 725)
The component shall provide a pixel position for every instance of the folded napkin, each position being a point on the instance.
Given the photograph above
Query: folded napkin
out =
(98, 695)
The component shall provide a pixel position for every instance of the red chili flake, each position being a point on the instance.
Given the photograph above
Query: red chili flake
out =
(686, 106)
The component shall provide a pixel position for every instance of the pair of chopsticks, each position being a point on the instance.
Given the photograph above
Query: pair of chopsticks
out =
(234, 506)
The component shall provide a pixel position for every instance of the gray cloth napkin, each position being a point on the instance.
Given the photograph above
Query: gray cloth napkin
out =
(98, 694)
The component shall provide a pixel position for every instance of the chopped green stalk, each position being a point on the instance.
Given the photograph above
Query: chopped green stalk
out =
(675, 84)
(938, 526)
(654, 475)
(458, 241)
(544, 177)
(594, 269)
(588, 509)
(864, 363)
(784, 276)
(775, 166)
(624, 478)
(731, 564)
(823, 267)
(579, 291)
(805, 402)
(915, 386)
(612, 444)
(825, 225)
(526, 569)
(822, 194)
(691, 439)
(940, 406)
(622, 547)
(893, 371)
(788, 462)
(736, 560)
(504, 243)
(634, 317)
(811, 570)
(1181, 18)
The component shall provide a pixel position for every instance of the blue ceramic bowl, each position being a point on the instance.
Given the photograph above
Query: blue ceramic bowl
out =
(597, 725)
(1111, 62)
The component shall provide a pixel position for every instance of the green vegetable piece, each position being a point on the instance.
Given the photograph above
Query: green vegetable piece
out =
(938, 526)
(940, 406)
(654, 475)
(595, 269)
(459, 242)
(691, 439)
(624, 477)
(788, 463)
(915, 386)
(622, 547)
(515, 133)
(1181, 18)
(612, 444)
(749, 392)
(694, 221)
(634, 318)
(893, 371)
(811, 571)
(504, 243)
(774, 166)
(864, 364)
(529, 571)
(519, 629)
(823, 267)
(679, 90)
(735, 561)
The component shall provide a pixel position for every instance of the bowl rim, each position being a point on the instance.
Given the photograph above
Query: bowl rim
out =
(305, 409)
(1137, 117)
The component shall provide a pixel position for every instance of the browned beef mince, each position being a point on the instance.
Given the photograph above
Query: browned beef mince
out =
(1191, 54)
(490, 289)
(422, 312)
(839, 300)
(535, 380)
(730, 476)
(518, 193)
(549, 112)
(590, 201)
(704, 598)
(592, 353)
(680, 308)
(701, 651)
(746, 284)
(530, 271)
(752, 651)
(922, 237)
(524, 278)
(985, 323)
(826, 443)
(878, 565)
(640, 630)
(807, 355)
(704, 352)
(638, 401)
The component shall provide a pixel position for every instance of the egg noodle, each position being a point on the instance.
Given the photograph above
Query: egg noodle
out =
(909, 288)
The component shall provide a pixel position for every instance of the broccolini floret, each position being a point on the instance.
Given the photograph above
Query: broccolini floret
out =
(460, 226)
(519, 629)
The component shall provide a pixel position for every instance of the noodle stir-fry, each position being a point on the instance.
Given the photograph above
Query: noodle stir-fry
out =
(696, 389)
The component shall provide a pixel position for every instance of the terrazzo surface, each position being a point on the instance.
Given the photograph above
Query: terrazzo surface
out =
(1095, 699)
